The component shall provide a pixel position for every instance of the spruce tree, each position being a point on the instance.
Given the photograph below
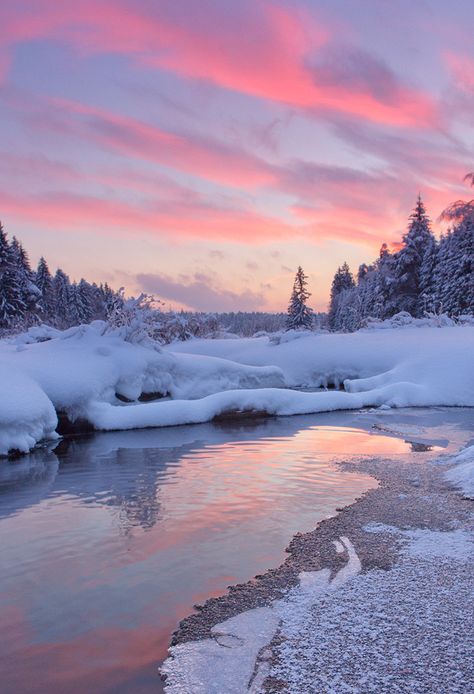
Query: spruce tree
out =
(342, 281)
(44, 282)
(300, 315)
(417, 242)
(86, 301)
(25, 278)
(61, 285)
(460, 280)
(12, 307)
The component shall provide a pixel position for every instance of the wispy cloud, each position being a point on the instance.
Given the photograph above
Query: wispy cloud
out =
(199, 293)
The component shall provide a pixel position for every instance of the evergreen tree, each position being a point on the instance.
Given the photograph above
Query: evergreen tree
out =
(12, 307)
(44, 282)
(419, 241)
(342, 281)
(25, 278)
(86, 301)
(427, 289)
(455, 272)
(61, 293)
(300, 315)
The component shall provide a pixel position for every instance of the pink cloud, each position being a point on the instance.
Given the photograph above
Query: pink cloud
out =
(66, 211)
(461, 67)
(203, 157)
(36, 167)
(199, 293)
(269, 56)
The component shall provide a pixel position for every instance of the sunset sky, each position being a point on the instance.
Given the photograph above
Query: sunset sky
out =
(202, 149)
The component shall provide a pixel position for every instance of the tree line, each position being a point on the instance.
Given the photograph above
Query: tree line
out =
(29, 297)
(426, 276)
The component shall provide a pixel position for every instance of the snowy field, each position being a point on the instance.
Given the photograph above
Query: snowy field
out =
(98, 374)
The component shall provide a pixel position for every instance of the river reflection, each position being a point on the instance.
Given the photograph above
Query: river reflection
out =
(107, 541)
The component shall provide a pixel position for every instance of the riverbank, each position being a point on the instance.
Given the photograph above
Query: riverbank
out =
(376, 598)
(117, 379)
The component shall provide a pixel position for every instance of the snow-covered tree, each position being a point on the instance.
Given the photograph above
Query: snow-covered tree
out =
(454, 272)
(343, 280)
(12, 306)
(414, 259)
(61, 292)
(85, 293)
(80, 310)
(300, 315)
(44, 282)
(25, 280)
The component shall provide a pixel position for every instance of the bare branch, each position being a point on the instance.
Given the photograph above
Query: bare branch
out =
(460, 209)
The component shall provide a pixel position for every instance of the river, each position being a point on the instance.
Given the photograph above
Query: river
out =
(108, 540)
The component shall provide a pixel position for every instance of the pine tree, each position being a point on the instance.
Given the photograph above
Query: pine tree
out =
(418, 241)
(61, 285)
(460, 269)
(25, 279)
(44, 282)
(342, 281)
(427, 289)
(12, 307)
(300, 315)
(86, 300)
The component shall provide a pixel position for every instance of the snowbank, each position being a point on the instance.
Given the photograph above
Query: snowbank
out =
(46, 369)
(440, 360)
(27, 415)
(95, 373)
(462, 474)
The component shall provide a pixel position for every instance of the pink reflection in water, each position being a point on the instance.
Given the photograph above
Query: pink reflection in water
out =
(89, 600)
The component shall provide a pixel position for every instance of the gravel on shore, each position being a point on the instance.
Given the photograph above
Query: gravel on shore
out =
(404, 623)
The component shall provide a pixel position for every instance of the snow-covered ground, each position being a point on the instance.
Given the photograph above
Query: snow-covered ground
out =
(370, 626)
(351, 640)
(462, 473)
(82, 370)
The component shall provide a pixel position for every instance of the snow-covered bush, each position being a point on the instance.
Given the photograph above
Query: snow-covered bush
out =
(140, 320)
(405, 320)
(284, 336)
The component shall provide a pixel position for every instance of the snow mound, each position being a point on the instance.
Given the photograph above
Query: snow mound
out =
(103, 375)
(27, 415)
(462, 474)
(47, 370)
(436, 365)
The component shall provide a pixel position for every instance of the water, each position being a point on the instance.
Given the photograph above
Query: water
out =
(107, 542)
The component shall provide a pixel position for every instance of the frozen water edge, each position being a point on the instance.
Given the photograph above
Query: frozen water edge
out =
(229, 662)
(350, 628)
(405, 629)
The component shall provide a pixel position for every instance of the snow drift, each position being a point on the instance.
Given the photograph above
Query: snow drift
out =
(95, 373)
(462, 474)
(45, 371)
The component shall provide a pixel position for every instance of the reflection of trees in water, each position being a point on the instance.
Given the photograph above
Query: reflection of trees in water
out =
(137, 496)
(126, 479)
(27, 480)
(123, 471)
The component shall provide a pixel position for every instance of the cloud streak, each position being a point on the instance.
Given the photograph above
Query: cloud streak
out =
(198, 293)
(273, 56)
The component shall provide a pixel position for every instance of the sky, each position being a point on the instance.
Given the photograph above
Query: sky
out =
(201, 150)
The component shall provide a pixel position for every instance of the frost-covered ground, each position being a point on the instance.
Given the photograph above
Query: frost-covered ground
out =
(81, 372)
(351, 633)
(388, 608)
